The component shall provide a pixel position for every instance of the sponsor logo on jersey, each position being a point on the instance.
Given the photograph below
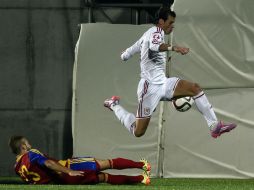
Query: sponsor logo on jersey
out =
(156, 38)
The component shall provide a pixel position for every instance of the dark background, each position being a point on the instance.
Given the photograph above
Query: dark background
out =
(37, 41)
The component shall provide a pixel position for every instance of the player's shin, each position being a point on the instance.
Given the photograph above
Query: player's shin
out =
(205, 108)
(122, 163)
(123, 179)
(126, 118)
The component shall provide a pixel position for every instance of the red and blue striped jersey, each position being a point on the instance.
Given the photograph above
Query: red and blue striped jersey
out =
(31, 168)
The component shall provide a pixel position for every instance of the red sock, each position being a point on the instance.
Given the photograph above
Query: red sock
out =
(122, 163)
(123, 179)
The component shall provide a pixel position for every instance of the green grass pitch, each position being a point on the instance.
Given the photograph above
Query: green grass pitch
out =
(156, 184)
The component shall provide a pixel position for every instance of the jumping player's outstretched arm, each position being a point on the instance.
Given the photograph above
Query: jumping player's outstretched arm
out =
(129, 52)
(156, 43)
(177, 49)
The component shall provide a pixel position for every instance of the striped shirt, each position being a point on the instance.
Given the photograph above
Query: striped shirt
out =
(152, 62)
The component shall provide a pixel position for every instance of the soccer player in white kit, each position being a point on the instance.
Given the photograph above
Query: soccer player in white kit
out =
(155, 86)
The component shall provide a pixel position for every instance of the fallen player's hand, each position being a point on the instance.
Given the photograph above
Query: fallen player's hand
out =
(182, 50)
(76, 173)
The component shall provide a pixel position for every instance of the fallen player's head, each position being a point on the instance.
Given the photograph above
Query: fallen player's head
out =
(19, 144)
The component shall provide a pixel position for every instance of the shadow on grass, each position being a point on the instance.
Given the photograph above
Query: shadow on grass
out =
(11, 180)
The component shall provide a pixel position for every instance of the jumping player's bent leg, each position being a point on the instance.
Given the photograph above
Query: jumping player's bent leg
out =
(186, 88)
(149, 95)
(192, 89)
(137, 127)
(125, 117)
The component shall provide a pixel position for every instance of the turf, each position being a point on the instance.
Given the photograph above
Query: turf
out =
(157, 184)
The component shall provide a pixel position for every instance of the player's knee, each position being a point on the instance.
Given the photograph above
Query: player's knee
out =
(141, 126)
(103, 177)
(195, 89)
(139, 133)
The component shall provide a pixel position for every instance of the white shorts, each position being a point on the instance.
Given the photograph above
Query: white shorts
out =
(149, 95)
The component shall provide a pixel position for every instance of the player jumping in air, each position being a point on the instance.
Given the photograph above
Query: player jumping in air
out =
(154, 85)
(35, 167)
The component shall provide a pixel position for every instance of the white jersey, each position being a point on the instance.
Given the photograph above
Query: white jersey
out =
(152, 62)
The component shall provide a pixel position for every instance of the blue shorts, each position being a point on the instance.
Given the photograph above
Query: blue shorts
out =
(84, 164)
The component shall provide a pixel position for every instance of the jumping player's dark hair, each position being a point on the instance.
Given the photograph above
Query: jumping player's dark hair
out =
(163, 13)
(15, 143)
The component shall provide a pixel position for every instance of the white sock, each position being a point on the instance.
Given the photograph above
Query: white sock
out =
(205, 108)
(126, 118)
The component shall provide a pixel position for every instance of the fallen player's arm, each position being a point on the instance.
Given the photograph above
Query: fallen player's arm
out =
(59, 168)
